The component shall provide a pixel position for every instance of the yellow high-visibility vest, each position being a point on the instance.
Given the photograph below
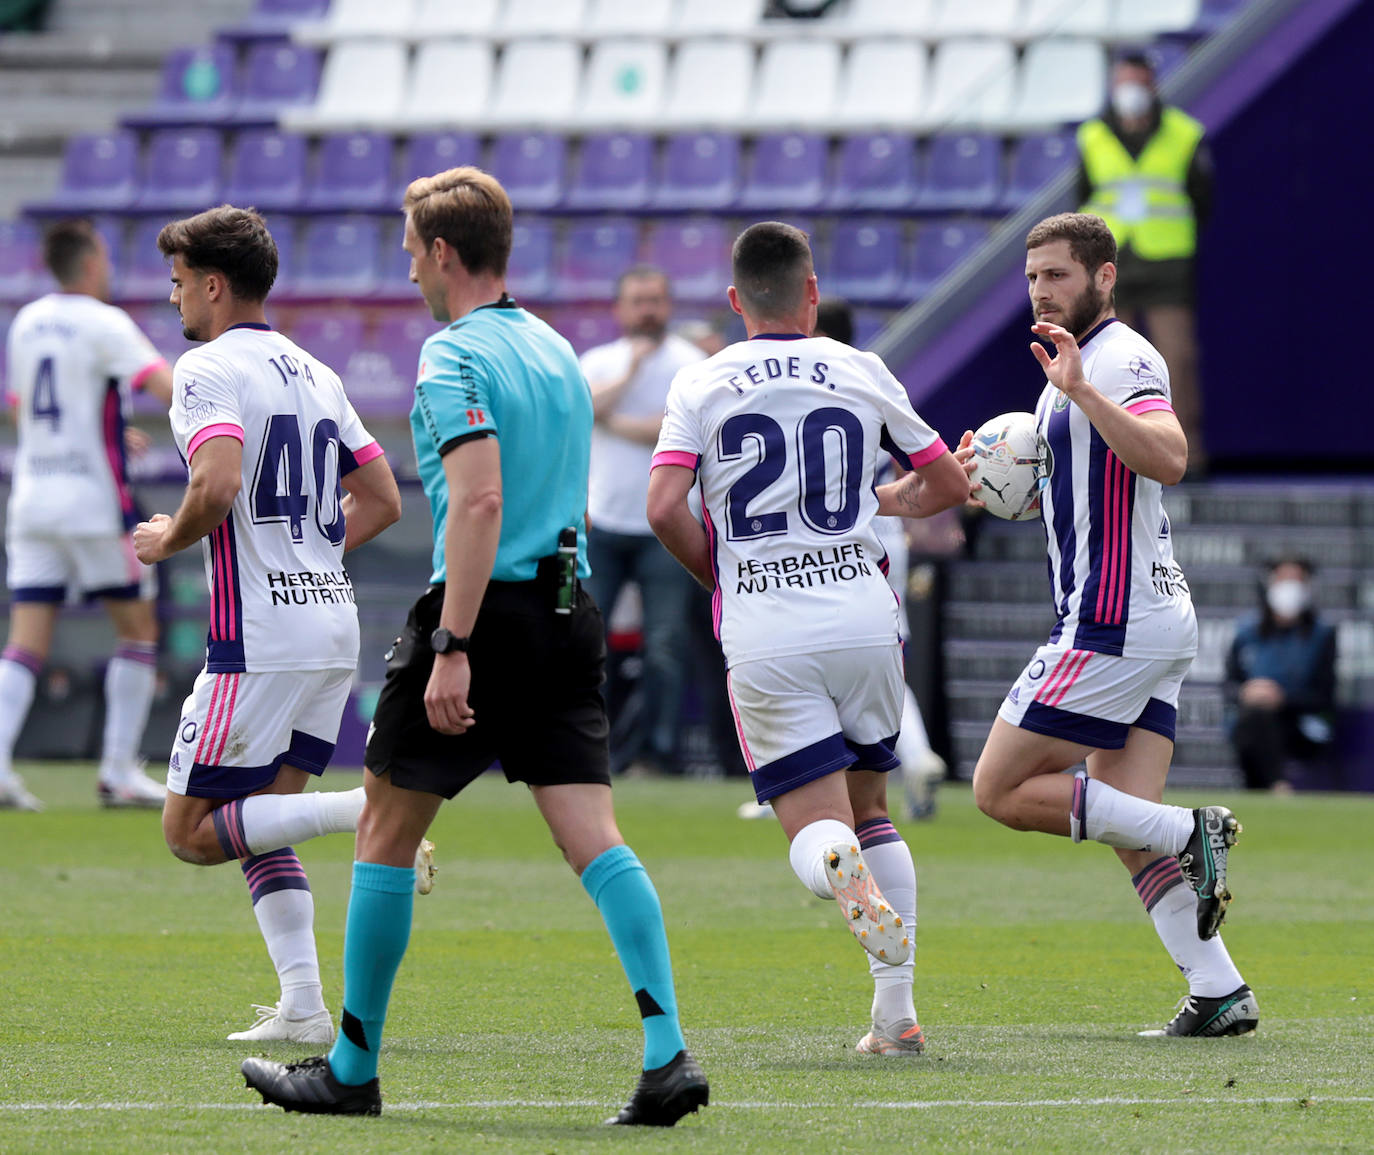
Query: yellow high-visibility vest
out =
(1144, 199)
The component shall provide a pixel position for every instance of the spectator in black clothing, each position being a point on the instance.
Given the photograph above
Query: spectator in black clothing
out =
(1281, 675)
(1146, 170)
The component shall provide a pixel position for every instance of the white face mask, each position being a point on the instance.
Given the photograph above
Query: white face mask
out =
(1288, 598)
(1131, 100)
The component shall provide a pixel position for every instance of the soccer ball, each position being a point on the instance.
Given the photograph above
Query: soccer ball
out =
(1008, 462)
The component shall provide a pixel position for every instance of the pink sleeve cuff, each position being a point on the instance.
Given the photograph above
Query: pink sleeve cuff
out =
(367, 453)
(675, 457)
(224, 429)
(147, 371)
(929, 453)
(1149, 405)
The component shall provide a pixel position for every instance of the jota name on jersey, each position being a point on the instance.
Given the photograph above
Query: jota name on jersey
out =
(776, 368)
(307, 586)
(840, 563)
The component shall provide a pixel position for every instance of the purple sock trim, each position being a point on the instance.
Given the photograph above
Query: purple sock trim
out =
(145, 653)
(276, 870)
(1157, 879)
(876, 832)
(228, 821)
(22, 657)
(1079, 809)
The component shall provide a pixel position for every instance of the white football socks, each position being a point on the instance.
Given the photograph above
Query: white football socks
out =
(807, 853)
(895, 875)
(271, 821)
(130, 679)
(17, 683)
(1206, 965)
(1130, 823)
(287, 921)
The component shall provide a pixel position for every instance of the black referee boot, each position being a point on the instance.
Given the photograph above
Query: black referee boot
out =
(665, 1094)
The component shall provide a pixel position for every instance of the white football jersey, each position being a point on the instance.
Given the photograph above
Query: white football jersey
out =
(280, 598)
(787, 434)
(73, 363)
(1113, 578)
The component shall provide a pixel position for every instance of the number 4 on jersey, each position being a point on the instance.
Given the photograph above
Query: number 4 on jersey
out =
(279, 492)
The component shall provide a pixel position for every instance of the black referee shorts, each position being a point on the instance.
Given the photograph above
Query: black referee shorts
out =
(536, 695)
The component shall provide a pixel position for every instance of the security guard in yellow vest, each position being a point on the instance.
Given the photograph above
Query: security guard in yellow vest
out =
(1146, 170)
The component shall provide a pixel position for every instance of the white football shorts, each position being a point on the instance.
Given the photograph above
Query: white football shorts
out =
(1094, 699)
(237, 730)
(803, 716)
(43, 568)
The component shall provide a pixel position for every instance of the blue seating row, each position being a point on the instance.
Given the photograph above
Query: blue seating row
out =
(178, 170)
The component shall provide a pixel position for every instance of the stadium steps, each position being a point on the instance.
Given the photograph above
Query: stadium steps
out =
(997, 609)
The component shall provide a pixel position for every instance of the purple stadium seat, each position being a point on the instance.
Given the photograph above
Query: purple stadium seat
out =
(786, 170)
(20, 261)
(162, 326)
(585, 326)
(867, 261)
(276, 74)
(426, 153)
(283, 230)
(332, 335)
(875, 171)
(383, 383)
(99, 173)
(613, 171)
(352, 172)
(7, 313)
(267, 170)
(145, 274)
(275, 18)
(940, 246)
(394, 281)
(868, 323)
(340, 256)
(198, 86)
(1036, 159)
(181, 170)
(700, 170)
(695, 253)
(963, 173)
(592, 257)
(530, 165)
(529, 274)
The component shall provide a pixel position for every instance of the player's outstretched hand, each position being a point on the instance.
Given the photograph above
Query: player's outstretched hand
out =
(446, 695)
(150, 537)
(963, 454)
(1065, 369)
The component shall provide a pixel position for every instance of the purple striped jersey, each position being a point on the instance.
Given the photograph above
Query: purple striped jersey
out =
(280, 598)
(1113, 579)
(72, 364)
(787, 435)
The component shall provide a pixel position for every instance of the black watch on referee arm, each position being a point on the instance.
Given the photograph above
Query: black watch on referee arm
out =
(443, 641)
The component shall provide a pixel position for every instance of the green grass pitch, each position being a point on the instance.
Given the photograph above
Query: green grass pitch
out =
(512, 1027)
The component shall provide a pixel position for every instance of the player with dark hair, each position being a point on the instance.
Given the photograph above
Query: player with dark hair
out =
(284, 480)
(784, 433)
(1104, 689)
(73, 361)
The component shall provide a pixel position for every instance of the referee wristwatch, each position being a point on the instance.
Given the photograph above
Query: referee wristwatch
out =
(443, 641)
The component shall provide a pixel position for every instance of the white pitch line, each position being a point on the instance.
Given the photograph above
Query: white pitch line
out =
(745, 1105)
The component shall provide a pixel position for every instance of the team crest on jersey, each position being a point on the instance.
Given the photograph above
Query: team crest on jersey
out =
(1035, 670)
(1143, 370)
(1061, 401)
(196, 409)
(188, 732)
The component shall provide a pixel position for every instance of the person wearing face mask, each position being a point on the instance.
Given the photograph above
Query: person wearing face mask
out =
(1146, 170)
(1281, 674)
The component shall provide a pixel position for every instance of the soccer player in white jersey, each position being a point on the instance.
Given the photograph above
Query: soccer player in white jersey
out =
(784, 432)
(1104, 688)
(283, 480)
(73, 361)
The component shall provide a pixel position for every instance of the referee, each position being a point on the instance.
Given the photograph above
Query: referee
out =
(502, 658)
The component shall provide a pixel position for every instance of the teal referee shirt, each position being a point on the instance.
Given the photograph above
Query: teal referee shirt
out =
(502, 372)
